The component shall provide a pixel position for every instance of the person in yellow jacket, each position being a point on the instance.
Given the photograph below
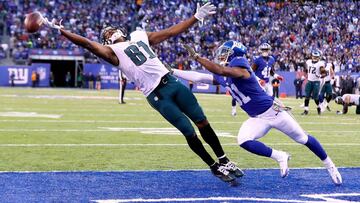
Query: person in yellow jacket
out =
(33, 78)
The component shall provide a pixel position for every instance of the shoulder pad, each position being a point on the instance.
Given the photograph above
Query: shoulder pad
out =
(239, 62)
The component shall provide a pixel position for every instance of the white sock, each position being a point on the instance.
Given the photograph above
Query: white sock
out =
(328, 162)
(277, 155)
(234, 108)
(306, 108)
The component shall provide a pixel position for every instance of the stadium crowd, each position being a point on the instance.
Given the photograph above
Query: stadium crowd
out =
(293, 29)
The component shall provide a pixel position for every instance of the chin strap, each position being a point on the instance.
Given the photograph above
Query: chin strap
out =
(116, 36)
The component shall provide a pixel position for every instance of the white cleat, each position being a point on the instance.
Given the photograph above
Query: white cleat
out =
(233, 112)
(283, 163)
(335, 175)
(323, 106)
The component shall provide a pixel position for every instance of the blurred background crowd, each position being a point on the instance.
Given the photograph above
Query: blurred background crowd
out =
(293, 29)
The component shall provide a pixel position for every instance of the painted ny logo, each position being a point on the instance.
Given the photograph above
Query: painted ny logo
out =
(20, 75)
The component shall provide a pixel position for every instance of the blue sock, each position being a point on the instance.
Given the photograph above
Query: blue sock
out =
(257, 147)
(316, 147)
(321, 98)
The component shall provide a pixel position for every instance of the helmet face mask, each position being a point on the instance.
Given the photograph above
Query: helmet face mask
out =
(265, 49)
(110, 34)
(229, 50)
(315, 55)
(222, 55)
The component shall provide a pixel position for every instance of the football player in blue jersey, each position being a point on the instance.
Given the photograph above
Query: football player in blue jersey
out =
(263, 67)
(232, 70)
(241, 52)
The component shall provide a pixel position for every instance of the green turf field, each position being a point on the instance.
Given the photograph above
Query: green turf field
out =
(72, 129)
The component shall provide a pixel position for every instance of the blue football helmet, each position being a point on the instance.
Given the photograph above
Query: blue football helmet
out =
(228, 51)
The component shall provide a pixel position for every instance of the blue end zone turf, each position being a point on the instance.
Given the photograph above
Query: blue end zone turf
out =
(265, 185)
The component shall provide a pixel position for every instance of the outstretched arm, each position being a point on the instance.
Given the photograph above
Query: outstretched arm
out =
(96, 48)
(195, 76)
(233, 72)
(201, 13)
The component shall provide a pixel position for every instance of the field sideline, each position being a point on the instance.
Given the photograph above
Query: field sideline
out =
(82, 130)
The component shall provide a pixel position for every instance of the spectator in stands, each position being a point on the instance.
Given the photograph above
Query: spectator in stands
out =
(292, 28)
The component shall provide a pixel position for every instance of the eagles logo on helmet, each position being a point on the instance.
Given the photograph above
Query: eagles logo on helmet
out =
(228, 51)
(110, 34)
(315, 55)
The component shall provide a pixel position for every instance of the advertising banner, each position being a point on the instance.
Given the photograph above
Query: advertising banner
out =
(21, 75)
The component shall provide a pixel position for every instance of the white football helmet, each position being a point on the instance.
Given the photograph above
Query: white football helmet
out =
(265, 49)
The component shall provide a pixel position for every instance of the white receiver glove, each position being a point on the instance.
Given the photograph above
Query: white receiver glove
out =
(203, 11)
(53, 24)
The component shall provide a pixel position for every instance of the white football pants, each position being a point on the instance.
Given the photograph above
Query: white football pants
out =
(257, 127)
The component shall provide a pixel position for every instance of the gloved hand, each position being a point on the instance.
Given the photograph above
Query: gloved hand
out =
(279, 77)
(262, 83)
(53, 24)
(191, 52)
(203, 11)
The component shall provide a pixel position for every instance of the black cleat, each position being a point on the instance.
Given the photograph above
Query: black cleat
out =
(305, 113)
(328, 108)
(318, 110)
(221, 172)
(233, 169)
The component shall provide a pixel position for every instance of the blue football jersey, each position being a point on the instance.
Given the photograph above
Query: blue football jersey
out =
(264, 65)
(247, 92)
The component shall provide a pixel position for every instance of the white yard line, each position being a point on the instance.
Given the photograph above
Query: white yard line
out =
(313, 198)
(160, 132)
(161, 121)
(157, 145)
(204, 199)
(169, 170)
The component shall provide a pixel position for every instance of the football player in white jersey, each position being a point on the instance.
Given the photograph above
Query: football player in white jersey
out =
(326, 90)
(166, 94)
(348, 100)
(315, 69)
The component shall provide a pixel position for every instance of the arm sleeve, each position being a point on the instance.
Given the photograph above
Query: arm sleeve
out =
(194, 76)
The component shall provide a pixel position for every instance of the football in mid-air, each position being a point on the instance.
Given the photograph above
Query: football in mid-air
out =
(33, 21)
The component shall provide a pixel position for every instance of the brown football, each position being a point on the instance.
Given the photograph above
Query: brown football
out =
(33, 21)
